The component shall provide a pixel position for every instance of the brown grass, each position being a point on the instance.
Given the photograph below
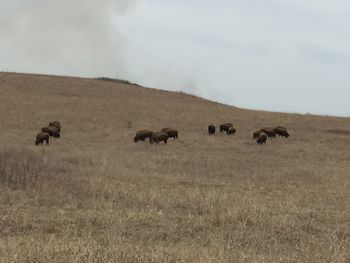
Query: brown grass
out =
(95, 196)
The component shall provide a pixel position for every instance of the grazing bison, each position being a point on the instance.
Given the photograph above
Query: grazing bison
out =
(159, 137)
(52, 131)
(143, 135)
(270, 132)
(281, 131)
(211, 129)
(231, 130)
(41, 137)
(172, 133)
(225, 127)
(256, 134)
(262, 139)
(56, 124)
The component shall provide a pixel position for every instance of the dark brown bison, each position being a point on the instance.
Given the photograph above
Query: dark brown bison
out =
(172, 133)
(231, 131)
(211, 129)
(143, 135)
(262, 139)
(56, 124)
(41, 137)
(159, 137)
(270, 132)
(225, 127)
(282, 131)
(52, 131)
(256, 134)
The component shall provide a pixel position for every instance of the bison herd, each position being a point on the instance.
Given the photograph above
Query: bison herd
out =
(262, 134)
(225, 127)
(156, 137)
(166, 133)
(52, 130)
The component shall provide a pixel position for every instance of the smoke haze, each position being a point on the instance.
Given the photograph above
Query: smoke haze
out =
(62, 37)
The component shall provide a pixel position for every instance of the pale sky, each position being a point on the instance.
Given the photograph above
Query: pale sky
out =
(290, 55)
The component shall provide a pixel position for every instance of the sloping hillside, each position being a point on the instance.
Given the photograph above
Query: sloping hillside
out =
(202, 198)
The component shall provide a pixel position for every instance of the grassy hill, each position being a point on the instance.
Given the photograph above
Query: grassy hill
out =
(95, 196)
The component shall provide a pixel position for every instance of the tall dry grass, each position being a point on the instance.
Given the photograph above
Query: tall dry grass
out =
(20, 169)
(95, 196)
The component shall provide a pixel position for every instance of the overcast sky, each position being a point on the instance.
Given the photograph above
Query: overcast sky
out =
(291, 55)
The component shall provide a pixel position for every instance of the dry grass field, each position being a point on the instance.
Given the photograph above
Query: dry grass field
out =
(96, 196)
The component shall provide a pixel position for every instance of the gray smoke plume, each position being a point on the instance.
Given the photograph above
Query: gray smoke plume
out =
(69, 37)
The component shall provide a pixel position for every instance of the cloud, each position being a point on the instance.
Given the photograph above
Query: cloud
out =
(276, 55)
(334, 57)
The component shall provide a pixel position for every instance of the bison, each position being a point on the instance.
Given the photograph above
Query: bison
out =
(41, 137)
(270, 132)
(143, 135)
(172, 133)
(159, 137)
(282, 131)
(56, 124)
(231, 130)
(256, 134)
(52, 131)
(225, 127)
(211, 129)
(262, 139)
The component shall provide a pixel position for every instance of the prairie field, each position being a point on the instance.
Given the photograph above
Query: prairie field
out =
(94, 195)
